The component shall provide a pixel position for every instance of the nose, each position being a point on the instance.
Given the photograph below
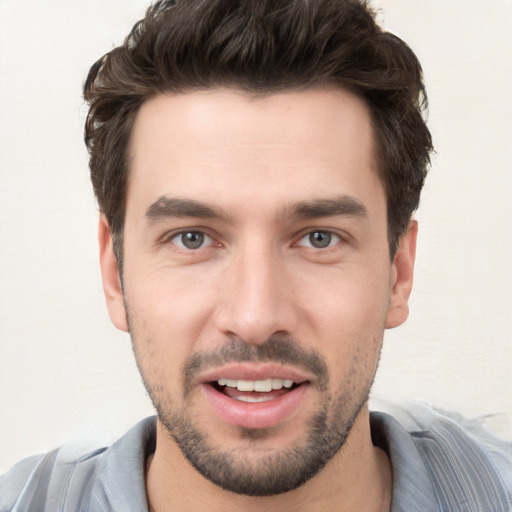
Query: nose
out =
(257, 299)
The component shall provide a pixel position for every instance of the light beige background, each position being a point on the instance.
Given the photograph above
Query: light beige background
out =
(65, 373)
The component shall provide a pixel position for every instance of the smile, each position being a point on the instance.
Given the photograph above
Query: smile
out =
(248, 398)
(261, 386)
(254, 391)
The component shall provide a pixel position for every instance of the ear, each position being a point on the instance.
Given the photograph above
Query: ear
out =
(110, 277)
(401, 277)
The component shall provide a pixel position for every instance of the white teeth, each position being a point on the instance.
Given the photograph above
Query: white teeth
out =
(261, 386)
(245, 385)
(277, 383)
(254, 398)
(228, 382)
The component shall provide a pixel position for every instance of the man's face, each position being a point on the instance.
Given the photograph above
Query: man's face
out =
(257, 279)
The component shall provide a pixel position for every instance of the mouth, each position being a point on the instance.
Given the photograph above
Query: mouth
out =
(252, 399)
(254, 391)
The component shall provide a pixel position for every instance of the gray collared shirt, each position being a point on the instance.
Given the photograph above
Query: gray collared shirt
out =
(437, 467)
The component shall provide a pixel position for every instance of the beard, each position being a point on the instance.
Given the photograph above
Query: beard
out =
(272, 471)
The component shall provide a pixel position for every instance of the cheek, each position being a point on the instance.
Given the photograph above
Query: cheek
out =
(168, 309)
(346, 315)
(350, 301)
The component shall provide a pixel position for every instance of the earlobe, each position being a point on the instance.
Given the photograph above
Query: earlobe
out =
(110, 276)
(402, 277)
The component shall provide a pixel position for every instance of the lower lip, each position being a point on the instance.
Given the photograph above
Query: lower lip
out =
(255, 415)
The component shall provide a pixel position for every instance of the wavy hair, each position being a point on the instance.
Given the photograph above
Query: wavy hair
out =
(262, 47)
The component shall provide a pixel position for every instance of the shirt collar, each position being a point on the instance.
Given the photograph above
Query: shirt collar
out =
(412, 486)
(120, 483)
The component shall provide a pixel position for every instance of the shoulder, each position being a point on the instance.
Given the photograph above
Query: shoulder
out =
(40, 480)
(464, 462)
(13, 482)
(74, 478)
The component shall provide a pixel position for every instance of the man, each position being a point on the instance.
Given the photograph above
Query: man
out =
(256, 166)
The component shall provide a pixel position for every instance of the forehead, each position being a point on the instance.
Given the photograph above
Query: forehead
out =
(225, 145)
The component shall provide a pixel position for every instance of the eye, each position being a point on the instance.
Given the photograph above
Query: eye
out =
(319, 239)
(191, 240)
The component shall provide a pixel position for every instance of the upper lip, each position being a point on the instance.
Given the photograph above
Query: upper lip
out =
(256, 371)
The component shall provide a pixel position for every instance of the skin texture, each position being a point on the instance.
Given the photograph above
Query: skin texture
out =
(251, 290)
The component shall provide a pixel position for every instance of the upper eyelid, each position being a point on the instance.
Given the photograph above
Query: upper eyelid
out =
(340, 238)
(206, 242)
(342, 234)
(179, 246)
(168, 235)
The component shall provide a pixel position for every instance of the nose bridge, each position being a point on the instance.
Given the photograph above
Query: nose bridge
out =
(255, 302)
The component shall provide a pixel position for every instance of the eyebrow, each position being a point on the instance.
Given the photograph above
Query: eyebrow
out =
(343, 205)
(168, 207)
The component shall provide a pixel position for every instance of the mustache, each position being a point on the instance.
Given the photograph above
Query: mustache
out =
(281, 350)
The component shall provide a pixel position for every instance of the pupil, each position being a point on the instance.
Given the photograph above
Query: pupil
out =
(192, 240)
(320, 239)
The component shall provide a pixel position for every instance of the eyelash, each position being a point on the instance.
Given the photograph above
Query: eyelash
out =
(331, 236)
(175, 239)
(176, 236)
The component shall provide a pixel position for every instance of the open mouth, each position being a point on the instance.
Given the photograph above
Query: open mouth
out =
(271, 397)
(254, 391)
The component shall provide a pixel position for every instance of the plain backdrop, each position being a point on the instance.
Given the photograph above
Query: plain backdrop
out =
(66, 373)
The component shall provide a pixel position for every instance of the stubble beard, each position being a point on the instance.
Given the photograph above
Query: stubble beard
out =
(275, 473)
(271, 472)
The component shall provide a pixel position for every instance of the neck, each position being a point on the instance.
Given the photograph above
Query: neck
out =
(358, 477)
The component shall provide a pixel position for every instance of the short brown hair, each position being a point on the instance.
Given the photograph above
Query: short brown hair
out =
(261, 46)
